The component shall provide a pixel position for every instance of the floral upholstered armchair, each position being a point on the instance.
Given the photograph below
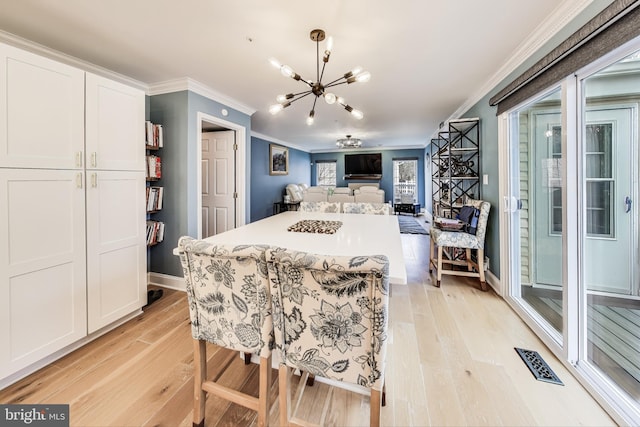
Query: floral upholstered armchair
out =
(367, 208)
(331, 207)
(330, 317)
(230, 306)
(441, 239)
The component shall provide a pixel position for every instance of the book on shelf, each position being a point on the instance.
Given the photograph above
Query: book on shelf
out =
(155, 232)
(154, 167)
(153, 135)
(154, 198)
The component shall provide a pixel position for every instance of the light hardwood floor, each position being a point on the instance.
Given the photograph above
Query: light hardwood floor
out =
(451, 361)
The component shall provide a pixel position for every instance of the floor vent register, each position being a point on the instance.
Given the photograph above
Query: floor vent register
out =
(538, 367)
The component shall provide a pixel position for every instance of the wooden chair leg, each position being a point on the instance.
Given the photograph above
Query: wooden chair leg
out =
(432, 256)
(247, 358)
(199, 376)
(311, 380)
(283, 395)
(483, 282)
(468, 259)
(439, 267)
(384, 394)
(374, 419)
(263, 396)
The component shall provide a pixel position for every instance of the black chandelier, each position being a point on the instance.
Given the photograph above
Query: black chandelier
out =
(317, 88)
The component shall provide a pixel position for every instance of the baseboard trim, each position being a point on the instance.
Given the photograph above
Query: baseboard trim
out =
(166, 281)
(494, 282)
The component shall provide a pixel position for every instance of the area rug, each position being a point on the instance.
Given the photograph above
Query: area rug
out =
(409, 225)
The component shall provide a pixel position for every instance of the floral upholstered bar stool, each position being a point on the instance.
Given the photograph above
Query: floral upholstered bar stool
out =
(229, 306)
(441, 240)
(330, 316)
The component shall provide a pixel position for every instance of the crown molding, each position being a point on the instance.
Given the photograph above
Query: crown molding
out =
(38, 49)
(336, 150)
(279, 141)
(186, 83)
(558, 19)
(367, 149)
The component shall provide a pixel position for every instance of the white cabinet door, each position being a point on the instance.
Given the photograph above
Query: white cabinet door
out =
(42, 264)
(41, 112)
(115, 125)
(116, 245)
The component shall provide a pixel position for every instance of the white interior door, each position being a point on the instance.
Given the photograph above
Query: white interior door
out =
(608, 185)
(218, 182)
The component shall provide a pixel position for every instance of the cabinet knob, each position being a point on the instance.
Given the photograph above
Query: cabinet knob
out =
(94, 159)
(79, 180)
(94, 180)
(79, 159)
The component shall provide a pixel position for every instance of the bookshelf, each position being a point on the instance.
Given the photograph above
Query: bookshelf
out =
(154, 142)
(456, 166)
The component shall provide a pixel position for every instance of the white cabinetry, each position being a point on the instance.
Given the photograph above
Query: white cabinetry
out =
(116, 245)
(115, 125)
(41, 113)
(116, 219)
(42, 264)
(72, 221)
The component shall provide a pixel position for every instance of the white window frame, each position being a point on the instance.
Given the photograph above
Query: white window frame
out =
(324, 163)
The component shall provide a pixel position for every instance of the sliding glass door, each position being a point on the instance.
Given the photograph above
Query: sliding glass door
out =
(609, 99)
(535, 205)
(573, 223)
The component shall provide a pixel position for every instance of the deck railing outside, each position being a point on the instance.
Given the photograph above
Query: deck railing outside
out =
(400, 188)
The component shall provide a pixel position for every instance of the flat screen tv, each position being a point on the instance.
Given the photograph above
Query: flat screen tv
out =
(363, 166)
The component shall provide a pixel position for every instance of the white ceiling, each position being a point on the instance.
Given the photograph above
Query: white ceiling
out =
(428, 58)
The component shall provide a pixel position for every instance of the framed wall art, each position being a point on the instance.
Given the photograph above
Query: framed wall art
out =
(278, 160)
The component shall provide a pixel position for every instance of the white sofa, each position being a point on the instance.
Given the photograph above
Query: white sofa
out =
(315, 194)
(294, 191)
(369, 194)
(341, 198)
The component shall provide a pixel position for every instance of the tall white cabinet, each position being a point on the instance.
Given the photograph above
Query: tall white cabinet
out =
(72, 197)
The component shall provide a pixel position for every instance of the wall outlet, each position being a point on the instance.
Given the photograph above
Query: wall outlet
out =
(485, 179)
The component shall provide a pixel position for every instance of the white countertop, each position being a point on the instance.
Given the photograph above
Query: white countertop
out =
(358, 235)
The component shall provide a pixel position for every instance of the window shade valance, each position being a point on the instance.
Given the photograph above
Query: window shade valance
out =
(611, 28)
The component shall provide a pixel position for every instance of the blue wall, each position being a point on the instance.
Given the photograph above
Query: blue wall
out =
(267, 189)
(386, 183)
(177, 112)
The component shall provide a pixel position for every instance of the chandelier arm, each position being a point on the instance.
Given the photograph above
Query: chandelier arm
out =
(303, 94)
(332, 84)
(324, 64)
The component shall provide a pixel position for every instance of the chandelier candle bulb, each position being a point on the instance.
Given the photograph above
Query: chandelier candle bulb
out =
(363, 77)
(286, 71)
(275, 63)
(329, 98)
